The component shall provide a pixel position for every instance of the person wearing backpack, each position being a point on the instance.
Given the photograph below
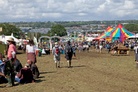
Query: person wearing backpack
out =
(136, 54)
(56, 54)
(68, 53)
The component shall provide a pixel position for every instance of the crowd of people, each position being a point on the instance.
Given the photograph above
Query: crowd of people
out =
(11, 69)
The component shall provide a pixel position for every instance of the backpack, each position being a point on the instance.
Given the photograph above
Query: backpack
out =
(57, 51)
(69, 49)
(108, 46)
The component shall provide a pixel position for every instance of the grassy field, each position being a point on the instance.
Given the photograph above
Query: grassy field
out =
(91, 72)
(2, 48)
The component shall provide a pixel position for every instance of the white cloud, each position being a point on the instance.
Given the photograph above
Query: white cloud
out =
(50, 10)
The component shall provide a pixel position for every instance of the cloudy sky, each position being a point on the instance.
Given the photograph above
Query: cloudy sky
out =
(67, 10)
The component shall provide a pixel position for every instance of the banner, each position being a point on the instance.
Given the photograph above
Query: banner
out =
(0, 29)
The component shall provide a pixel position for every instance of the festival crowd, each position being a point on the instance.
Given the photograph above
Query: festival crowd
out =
(11, 69)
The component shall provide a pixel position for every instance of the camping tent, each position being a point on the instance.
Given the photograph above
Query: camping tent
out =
(105, 34)
(120, 33)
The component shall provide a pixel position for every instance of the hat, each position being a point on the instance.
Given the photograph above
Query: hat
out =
(56, 43)
(11, 39)
(1, 63)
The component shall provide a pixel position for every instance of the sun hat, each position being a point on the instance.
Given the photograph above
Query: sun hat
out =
(10, 39)
(56, 43)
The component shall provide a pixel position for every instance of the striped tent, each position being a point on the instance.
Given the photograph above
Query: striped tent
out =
(106, 33)
(120, 33)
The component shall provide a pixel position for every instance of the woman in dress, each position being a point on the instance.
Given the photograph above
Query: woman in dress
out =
(30, 51)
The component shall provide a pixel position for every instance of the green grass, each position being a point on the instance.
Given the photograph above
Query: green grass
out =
(2, 48)
(91, 72)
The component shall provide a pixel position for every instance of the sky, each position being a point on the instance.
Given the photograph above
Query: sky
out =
(67, 10)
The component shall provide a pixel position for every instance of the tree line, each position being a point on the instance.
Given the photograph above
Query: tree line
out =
(57, 28)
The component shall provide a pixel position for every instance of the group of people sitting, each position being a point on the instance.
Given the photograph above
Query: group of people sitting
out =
(20, 74)
(11, 69)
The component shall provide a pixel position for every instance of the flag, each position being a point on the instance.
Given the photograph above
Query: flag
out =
(0, 29)
(35, 41)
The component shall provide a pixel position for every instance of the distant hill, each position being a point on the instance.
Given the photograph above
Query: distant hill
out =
(70, 23)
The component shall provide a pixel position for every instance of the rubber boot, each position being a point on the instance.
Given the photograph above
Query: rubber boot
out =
(136, 64)
(69, 63)
(56, 65)
(9, 84)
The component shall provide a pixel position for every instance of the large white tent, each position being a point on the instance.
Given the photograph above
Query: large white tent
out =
(4, 39)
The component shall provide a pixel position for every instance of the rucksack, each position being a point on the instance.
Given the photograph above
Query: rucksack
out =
(57, 51)
(69, 49)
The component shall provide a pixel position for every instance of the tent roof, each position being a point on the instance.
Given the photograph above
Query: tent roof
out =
(5, 38)
(120, 33)
(107, 32)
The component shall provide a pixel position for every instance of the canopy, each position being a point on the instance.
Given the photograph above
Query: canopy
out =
(106, 33)
(120, 33)
(5, 38)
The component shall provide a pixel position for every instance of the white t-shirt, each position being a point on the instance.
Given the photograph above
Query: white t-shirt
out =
(30, 49)
(136, 48)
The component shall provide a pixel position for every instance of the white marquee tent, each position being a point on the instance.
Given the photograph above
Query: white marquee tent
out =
(4, 39)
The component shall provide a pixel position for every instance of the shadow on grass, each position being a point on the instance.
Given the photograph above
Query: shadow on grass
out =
(80, 66)
(4, 85)
(39, 80)
(47, 72)
(41, 77)
(19, 52)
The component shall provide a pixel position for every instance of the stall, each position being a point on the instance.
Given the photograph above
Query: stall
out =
(120, 49)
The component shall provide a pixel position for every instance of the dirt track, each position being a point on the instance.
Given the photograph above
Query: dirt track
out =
(91, 72)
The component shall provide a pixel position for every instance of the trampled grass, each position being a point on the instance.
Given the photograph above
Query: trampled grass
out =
(2, 48)
(91, 72)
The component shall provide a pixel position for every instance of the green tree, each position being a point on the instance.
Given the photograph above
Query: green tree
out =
(7, 29)
(31, 35)
(132, 27)
(58, 30)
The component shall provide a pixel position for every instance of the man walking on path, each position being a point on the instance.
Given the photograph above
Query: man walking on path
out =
(56, 54)
(68, 53)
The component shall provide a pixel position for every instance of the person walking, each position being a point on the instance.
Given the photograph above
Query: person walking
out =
(136, 54)
(30, 50)
(68, 53)
(56, 54)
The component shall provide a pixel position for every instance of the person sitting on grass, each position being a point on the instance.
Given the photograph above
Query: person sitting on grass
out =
(2, 76)
(25, 75)
(34, 69)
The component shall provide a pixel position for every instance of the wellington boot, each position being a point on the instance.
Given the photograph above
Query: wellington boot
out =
(56, 65)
